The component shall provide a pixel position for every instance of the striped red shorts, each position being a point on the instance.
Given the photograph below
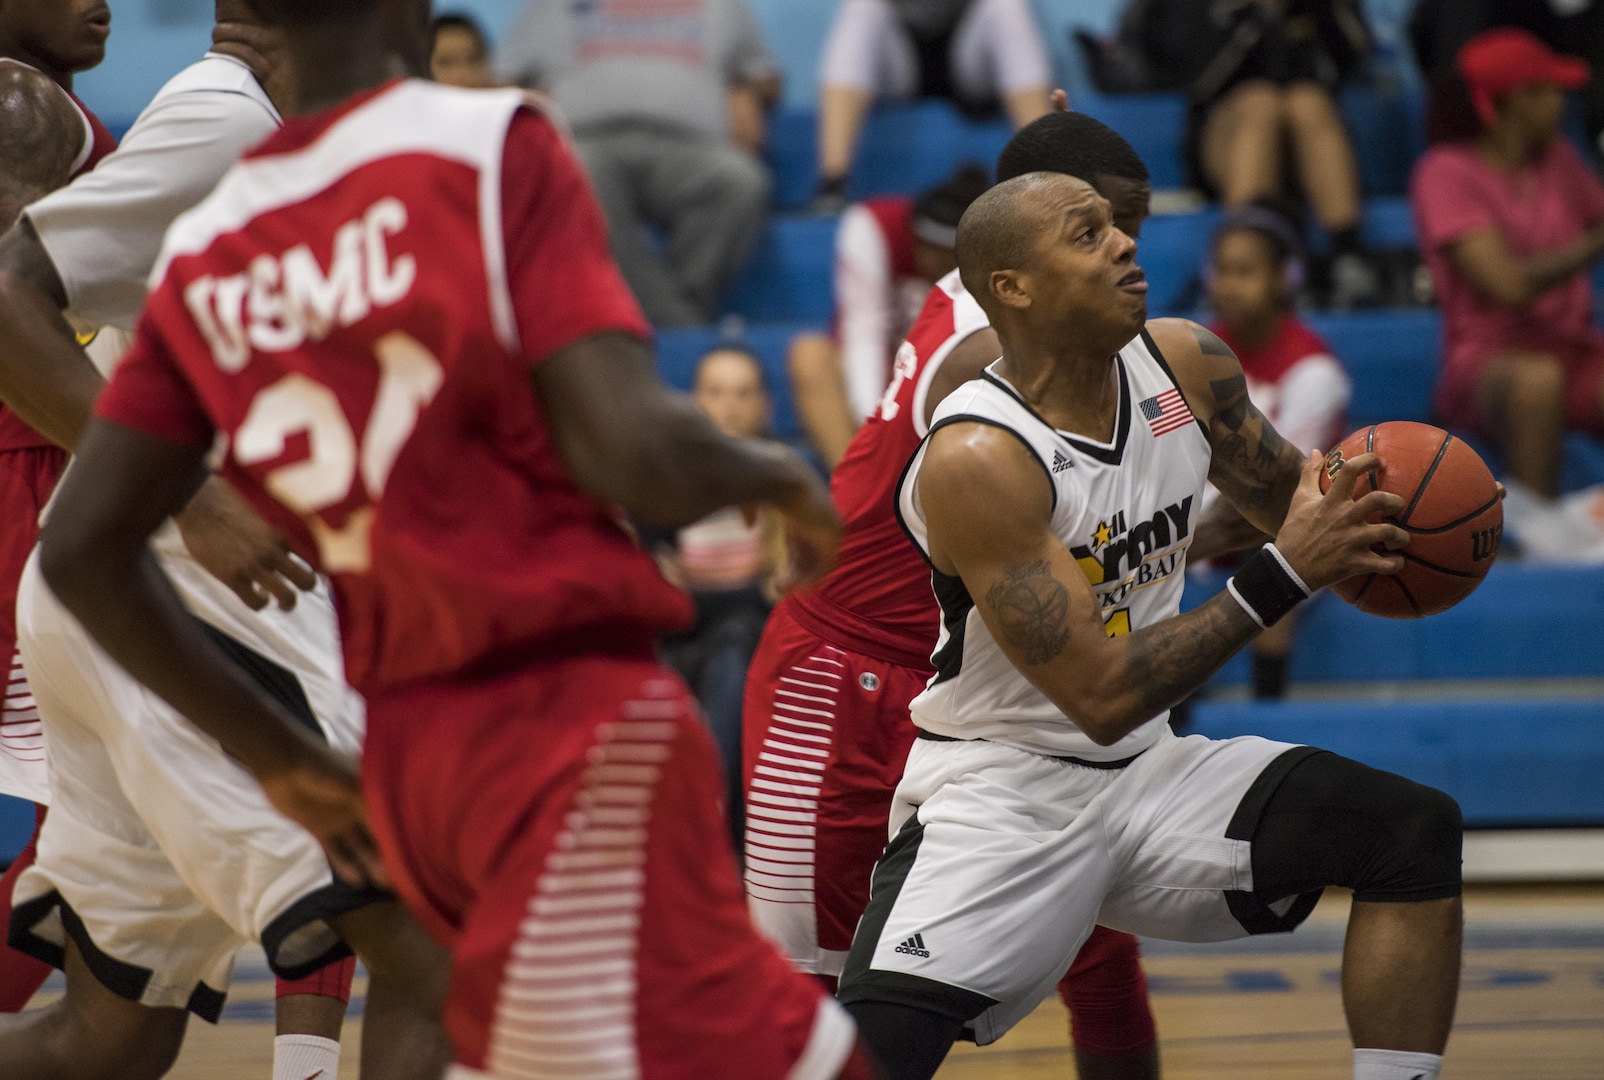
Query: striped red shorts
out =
(560, 828)
(825, 735)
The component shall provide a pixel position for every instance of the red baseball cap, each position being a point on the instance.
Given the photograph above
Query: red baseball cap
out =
(1497, 61)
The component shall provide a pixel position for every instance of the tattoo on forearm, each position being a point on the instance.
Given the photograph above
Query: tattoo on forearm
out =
(1170, 660)
(1248, 451)
(1032, 608)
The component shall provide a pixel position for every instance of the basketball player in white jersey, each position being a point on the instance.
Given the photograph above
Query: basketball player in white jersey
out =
(161, 856)
(1054, 499)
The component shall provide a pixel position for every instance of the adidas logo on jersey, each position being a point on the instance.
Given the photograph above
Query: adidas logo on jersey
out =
(1060, 462)
(914, 946)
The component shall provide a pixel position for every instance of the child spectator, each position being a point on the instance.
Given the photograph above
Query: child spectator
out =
(974, 52)
(1255, 271)
(1509, 218)
(727, 563)
(460, 53)
(889, 251)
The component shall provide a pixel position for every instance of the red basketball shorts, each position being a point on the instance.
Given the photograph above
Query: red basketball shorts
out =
(825, 734)
(559, 828)
(27, 478)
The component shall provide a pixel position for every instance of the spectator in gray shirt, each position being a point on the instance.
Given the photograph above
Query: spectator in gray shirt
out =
(666, 99)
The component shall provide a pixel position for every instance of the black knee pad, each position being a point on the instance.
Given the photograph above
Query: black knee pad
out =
(1332, 821)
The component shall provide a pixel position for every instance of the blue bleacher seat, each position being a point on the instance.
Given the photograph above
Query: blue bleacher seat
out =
(1154, 125)
(1523, 622)
(789, 274)
(905, 148)
(1393, 358)
(1514, 762)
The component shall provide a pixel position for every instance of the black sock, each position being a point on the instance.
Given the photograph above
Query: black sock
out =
(832, 185)
(909, 1043)
(1269, 677)
(1346, 241)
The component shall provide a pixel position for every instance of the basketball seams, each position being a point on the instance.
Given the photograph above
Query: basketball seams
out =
(1452, 525)
(1425, 481)
(1429, 565)
(1409, 596)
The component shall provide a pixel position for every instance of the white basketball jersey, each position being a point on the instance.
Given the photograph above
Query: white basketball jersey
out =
(1127, 511)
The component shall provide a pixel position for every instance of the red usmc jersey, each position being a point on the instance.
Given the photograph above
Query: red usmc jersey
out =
(357, 308)
(877, 600)
(98, 141)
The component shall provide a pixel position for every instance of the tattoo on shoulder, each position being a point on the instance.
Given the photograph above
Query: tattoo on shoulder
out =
(1032, 608)
(1210, 342)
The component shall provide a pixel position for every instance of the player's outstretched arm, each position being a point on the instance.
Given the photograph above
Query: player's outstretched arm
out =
(95, 556)
(988, 510)
(629, 439)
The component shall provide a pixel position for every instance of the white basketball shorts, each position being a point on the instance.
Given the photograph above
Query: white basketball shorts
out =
(161, 856)
(1002, 861)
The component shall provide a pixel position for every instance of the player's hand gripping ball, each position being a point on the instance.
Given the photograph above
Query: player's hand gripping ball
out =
(1453, 512)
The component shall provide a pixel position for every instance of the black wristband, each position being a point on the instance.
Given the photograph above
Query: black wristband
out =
(1267, 587)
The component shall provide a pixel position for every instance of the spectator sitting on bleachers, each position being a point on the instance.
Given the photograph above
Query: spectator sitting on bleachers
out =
(973, 52)
(1438, 28)
(1263, 76)
(1254, 273)
(667, 102)
(727, 563)
(460, 53)
(1509, 218)
(889, 251)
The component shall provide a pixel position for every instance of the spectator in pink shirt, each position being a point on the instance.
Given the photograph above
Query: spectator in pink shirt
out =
(1509, 220)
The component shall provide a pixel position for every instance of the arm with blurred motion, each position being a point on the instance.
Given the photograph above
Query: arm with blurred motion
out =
(629, 439)
(96, 557)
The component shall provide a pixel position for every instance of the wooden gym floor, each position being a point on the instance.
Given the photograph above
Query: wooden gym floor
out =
(1532, 1005)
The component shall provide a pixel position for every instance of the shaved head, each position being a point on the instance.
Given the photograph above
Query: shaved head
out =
(1000, 229)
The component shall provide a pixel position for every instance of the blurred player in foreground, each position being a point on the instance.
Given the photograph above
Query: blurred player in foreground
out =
(1055, 498)
(827, 725)
(47, 137)
(162, 858)
(401, 312)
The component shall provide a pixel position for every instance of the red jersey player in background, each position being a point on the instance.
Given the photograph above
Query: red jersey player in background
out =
(47, 136)
(401, 313)
(826, 721)
(889, 251)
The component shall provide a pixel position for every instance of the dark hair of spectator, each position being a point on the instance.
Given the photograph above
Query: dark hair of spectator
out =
(1277, 220)
(309, 11)
(1450, 112)
(1071, 143)
(740, 348)
(941, 208)
(455, 20)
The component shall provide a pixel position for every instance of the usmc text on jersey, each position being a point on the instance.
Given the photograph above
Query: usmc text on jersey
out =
(281, 301)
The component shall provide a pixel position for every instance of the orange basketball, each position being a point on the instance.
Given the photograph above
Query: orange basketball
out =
(1452, 513)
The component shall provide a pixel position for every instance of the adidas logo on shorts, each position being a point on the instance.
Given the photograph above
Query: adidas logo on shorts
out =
(914, 946)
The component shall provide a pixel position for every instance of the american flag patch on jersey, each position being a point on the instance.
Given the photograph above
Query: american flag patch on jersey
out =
(1166, 412)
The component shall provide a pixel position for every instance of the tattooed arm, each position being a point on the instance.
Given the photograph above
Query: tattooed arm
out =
(988, 510)
(1254, 467)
